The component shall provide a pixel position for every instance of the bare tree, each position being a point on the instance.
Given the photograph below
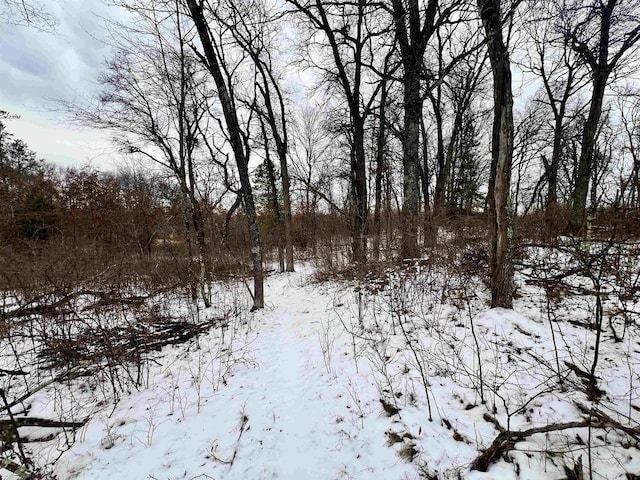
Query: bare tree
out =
(529, 143)
(311, 163)
(461, 89)
(412, 32)
(355, 39)
(562, 76)
(629, 106)
(414, 29)
(381, 161)
(273, 201)
(602, 34)
(27, 13)
(155, 99)
(215, 61)
(255, 30)
(500, 216)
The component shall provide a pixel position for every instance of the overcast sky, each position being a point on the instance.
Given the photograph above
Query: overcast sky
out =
(39, 68)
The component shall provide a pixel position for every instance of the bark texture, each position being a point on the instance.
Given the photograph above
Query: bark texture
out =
(412, 40)
(500, 221)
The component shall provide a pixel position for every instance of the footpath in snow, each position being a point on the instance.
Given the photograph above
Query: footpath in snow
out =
(294, 407)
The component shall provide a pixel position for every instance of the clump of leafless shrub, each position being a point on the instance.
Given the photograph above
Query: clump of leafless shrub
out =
(422, 328)
(85, 327)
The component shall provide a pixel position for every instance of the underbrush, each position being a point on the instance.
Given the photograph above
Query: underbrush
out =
(78, 333)
(549, 389)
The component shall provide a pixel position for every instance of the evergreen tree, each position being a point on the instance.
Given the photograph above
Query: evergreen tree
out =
(466, 194)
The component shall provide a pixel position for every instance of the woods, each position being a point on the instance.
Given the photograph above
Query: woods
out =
(458, 181)
(395, 81)
(375, 65)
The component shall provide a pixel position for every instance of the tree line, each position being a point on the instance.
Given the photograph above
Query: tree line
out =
(56, 220)
(415, 112)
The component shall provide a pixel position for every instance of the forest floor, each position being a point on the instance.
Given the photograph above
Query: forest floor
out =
(282, 414)
(405, 375)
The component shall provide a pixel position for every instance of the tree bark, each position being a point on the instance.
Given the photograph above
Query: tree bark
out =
(551, 210)
(286, 200)
(380, 166)
(197, 223)
(428, 222)
(411, 186)
(442, 176)
(500, 216)
(412, 44)
(359, 182)
(585, 164)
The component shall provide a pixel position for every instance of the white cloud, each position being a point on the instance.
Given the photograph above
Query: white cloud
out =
(64, 145)
(37, 69)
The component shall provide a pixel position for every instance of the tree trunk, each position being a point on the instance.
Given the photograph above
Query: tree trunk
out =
(273, 194)
(558, 107)
(359, 182)
(286, 201)
(410, 159)
(441, 177)
(585, 165)
(412, 42)
(428, 226)
(380, 157)
(500, 216)
(281, 141)
(448, 162)
(551, 210)
(189, 233)
(203, 258)
(235, 139)
(635, 175)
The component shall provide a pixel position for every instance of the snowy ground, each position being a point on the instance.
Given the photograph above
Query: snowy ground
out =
(407, 375)
(283, 413)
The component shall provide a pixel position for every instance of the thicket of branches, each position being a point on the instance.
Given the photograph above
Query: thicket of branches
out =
(393, 134)
(396, 123)
(490, 126)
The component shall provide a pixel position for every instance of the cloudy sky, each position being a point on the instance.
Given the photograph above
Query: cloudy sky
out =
(38, 69)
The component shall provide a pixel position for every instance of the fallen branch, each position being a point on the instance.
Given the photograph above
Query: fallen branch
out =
(5, 372)
(604, 418)
(40, 422)
(46, 308)
(74, 372)
(506, 440)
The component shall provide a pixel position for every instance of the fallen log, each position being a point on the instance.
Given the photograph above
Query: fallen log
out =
(506, 440)
(39, 422)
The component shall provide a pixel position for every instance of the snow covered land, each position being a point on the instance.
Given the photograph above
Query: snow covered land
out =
(402, 375)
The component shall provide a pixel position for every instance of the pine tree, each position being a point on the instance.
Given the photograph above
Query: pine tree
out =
(466, 193)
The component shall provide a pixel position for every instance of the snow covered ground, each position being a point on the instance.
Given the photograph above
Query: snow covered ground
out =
(407, 375)
(282, 414)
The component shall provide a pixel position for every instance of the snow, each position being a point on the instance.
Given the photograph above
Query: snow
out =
(282, 414)
(296, 390)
